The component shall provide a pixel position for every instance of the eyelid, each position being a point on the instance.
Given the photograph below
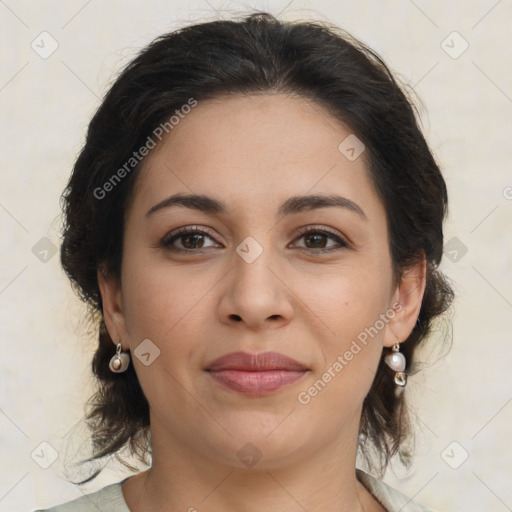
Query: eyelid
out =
(177, 233)
(322, 229)
(342, 240)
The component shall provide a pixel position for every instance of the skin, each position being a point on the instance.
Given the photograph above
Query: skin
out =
(253, 153)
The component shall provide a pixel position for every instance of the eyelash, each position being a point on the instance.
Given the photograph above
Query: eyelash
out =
(167, 241)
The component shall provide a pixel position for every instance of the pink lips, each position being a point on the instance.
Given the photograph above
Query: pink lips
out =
(256, 374)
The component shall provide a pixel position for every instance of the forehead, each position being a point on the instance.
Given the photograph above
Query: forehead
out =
(253, 151)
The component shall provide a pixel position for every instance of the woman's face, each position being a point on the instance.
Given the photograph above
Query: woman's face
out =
(248, 279)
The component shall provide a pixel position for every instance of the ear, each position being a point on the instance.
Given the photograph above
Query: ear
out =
(406, 302)
(111, 298)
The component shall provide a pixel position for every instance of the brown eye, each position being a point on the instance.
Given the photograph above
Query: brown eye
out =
(316, 240)
(191, 239)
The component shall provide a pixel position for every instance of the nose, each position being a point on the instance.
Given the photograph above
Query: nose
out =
(256, 294)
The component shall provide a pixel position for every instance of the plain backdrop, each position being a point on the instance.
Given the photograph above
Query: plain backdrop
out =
(58, 59)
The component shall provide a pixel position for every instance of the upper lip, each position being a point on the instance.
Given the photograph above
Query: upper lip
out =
(263, 361)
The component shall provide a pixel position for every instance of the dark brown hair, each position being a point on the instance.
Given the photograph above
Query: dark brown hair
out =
(256, 54)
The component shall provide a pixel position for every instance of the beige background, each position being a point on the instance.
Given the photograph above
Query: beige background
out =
(46, 104)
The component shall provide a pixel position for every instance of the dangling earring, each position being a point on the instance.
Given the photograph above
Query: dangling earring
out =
(396, 361)
(120, 361)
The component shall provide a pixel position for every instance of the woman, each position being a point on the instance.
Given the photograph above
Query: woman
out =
(256, 222)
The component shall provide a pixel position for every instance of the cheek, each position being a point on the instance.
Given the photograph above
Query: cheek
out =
(350, 305)
(165, 306)
(158, 297)
(347, 299)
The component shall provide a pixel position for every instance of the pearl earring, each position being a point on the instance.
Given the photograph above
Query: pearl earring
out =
(120, 361)
(396, 361)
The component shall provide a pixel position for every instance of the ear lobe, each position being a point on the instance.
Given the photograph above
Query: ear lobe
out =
(111, 298)
(409, 294)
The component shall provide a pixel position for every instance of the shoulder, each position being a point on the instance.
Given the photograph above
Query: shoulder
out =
(108, 498)
(391, 499)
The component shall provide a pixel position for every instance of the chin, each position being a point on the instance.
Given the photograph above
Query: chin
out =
(263, 441)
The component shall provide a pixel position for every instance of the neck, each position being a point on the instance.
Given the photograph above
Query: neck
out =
(182, 478)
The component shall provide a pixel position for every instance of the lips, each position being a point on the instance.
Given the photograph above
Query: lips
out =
(256, 374)
(264, 361)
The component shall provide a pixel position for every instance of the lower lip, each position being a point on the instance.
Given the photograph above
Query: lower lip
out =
(256, 383)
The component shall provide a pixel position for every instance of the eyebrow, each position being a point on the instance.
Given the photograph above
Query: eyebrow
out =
(292, 205)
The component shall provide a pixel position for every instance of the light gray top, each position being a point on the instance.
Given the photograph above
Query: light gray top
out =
(110, 498)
